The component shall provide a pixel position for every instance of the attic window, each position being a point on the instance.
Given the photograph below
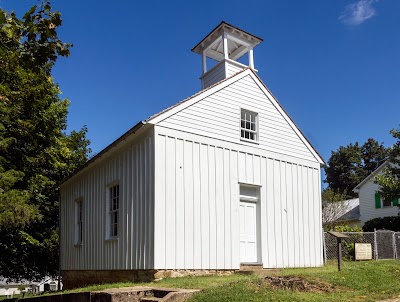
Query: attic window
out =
(249, 125)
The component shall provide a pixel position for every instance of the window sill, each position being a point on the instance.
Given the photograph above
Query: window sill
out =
(111, 239)
(249, 141)
(78, 245)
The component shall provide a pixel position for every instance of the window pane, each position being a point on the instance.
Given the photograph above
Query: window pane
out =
(248, 191)
(248, 125)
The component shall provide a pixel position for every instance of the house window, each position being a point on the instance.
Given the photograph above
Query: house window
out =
(381, 202)
(113, 210)
(78, 221)
(386, 203)
(249, 125)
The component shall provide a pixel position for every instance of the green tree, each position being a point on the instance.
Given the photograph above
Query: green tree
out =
(35, 152)
(349, 165)
(390, 178)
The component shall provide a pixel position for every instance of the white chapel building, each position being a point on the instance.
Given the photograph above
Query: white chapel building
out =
(220, 179)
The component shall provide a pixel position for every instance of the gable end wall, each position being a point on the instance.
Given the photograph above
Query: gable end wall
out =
(218, 116)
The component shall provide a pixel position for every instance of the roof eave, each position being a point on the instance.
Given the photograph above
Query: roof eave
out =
(124, 136)
(223, 23)
(366, 179)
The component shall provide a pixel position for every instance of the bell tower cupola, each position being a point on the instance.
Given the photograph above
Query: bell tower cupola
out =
(225, 44)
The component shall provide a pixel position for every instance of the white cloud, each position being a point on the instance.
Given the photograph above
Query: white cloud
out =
(358, 12)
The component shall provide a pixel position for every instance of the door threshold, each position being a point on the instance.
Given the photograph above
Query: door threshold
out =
(251, 263)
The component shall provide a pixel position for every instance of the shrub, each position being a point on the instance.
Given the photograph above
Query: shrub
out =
(347, 228)
(388, 223)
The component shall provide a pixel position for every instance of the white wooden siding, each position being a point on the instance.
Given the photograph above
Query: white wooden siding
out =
(214, 75)
(218, 116)
(197, 204)
(367, 203)
(133, 168)
(232, 68)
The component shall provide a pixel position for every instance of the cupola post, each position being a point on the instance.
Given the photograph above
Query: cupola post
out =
(225, 44)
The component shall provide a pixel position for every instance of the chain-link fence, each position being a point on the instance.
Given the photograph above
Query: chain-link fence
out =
(385, 244)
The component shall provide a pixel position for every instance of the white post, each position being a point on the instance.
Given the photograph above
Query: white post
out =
(225, 46)
(204, 62)
(375, 245)
(251, 58)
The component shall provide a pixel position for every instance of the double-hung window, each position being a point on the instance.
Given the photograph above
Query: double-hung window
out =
(113, 209)
(249, 125)
(381, 202)
(78, 221)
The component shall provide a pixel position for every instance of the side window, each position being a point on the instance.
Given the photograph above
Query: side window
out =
(113, 210)
(78, 221)
(386, 203)
(381, 202)
(248, 125)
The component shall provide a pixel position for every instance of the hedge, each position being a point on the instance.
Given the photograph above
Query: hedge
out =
(391, 223)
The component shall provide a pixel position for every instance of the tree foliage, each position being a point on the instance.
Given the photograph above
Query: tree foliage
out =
(349, 165)
(35, 151)
(390, 178)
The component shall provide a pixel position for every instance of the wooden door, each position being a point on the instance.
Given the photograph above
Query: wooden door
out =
(248, 232)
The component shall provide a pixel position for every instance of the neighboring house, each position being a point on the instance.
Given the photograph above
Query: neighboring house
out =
(219, 179)
(10, 289)
(346, 212)
(372, 205)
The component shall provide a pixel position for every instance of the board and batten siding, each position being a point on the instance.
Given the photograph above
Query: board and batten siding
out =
(367, 203)
(197, 183)
(218, 116)
(133, 168)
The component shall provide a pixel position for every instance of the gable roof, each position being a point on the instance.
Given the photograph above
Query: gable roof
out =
(158, 117)
(349, 210)
(224, 83)
(373, 174)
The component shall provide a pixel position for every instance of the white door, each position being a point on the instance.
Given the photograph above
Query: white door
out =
(248, 232)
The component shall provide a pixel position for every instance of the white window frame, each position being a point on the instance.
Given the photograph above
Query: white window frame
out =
(113, 207)
(79, 221)
(253, 120)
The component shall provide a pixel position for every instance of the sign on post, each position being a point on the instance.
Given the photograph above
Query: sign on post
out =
(339, 236)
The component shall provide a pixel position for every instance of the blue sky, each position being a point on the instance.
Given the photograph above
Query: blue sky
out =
(334, 65)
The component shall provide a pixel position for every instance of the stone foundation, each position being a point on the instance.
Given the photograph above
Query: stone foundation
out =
(161, 274)
(80, 278)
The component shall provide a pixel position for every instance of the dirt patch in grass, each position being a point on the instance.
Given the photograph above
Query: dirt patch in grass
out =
(298, 284)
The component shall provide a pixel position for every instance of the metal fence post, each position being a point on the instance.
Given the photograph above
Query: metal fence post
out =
(394, 245)
(323, 238)
(375, 245)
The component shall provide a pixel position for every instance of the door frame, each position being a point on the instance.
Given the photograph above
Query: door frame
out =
(256, 199)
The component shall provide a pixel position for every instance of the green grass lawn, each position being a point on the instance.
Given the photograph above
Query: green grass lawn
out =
(358, 281)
